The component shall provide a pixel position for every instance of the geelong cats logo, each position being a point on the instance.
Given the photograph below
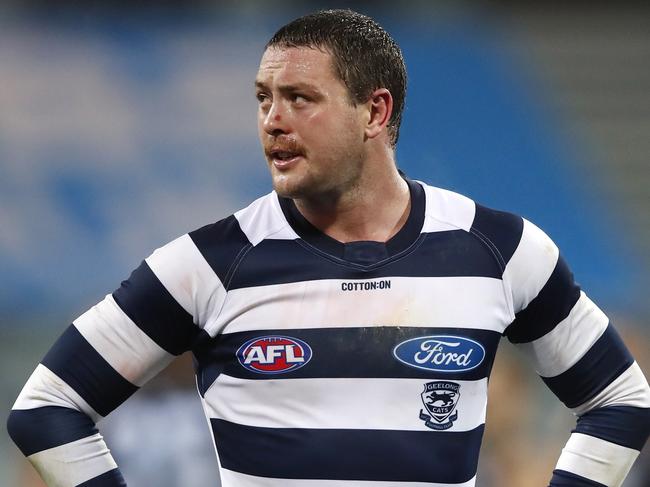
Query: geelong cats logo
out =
(274, 354)
(440, 399)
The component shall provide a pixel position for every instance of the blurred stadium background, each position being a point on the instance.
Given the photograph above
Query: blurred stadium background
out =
(124, 125)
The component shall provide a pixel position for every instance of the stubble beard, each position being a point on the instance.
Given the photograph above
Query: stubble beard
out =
(337, 179)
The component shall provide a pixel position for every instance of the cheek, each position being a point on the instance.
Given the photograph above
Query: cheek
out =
(334, 128)
(315, 121)
(260, 122)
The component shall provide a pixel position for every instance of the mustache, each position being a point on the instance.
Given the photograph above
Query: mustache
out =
(282, 144)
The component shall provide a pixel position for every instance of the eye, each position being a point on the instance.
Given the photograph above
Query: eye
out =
(299, 99)
(261, 97)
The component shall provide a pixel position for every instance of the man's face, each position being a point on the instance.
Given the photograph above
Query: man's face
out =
(311, 133)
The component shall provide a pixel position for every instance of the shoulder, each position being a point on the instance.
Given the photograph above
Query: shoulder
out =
(196, 267)
(222, 243)
(261, 219)
(528, 258)
(520, 247)
(500, 231)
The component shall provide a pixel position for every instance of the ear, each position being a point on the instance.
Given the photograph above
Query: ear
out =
(380, 108)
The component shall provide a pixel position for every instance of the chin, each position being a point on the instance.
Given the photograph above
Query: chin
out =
(284, 190)
(289, 187)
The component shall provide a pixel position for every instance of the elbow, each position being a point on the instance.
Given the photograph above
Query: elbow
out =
(19, 428)
(627, 426)
(646, 422)
(35, 430)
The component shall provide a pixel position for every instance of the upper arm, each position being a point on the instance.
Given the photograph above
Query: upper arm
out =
(581, 358)
(104, 357)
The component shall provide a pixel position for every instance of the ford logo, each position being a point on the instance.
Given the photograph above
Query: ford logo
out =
(440, 353)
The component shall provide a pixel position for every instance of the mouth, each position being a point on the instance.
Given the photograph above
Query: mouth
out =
(283, 159)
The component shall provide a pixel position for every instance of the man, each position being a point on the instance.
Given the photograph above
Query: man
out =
(344, 326)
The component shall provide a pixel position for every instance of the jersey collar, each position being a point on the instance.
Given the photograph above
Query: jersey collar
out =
(363, 253)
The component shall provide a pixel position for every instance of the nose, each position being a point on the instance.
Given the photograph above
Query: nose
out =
(275, 122)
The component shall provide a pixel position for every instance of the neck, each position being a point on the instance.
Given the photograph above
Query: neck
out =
(375, 209)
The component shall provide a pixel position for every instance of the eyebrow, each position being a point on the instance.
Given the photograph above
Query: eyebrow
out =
(260, 85)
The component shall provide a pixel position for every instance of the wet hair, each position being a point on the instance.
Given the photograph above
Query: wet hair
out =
(364, 55)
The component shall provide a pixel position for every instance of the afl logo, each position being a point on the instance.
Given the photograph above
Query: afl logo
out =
(273, 354)
(440, 353)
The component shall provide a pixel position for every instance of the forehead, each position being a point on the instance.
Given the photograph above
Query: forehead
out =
(295, 64)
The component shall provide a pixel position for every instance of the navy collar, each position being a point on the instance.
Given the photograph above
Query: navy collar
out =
(363, 252)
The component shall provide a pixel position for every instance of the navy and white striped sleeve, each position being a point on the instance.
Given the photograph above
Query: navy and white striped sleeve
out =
(582, 359)
(105, 356)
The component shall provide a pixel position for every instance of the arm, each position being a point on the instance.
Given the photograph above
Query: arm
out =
(581, 358)
(103, 358)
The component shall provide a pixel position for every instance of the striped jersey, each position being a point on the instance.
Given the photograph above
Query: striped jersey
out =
(321, 364)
